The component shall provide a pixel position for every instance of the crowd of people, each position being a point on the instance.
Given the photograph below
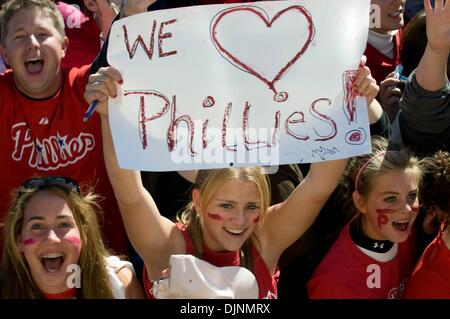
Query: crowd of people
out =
(75, 225)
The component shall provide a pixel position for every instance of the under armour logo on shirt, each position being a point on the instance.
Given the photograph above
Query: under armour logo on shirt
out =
(377, 245)
(43, 121)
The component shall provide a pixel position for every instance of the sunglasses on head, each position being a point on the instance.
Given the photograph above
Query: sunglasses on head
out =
(42, 182)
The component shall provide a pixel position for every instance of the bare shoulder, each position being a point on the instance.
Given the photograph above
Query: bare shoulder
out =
(133, 288)
(125, 275)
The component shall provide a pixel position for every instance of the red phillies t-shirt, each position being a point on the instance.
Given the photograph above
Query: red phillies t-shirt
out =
(431, 278)
(48, 137)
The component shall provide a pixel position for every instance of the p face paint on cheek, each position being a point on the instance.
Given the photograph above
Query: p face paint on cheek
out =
(29, 241)
(382, 218)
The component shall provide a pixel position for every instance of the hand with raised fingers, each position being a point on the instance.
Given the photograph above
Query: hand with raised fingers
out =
(364, 84)
(102, 85)
(438, 25)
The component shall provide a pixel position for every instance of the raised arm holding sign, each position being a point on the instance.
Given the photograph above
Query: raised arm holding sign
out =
(228, 222)
(237, 85)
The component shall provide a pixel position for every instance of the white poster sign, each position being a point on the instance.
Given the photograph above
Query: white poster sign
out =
(264, 83)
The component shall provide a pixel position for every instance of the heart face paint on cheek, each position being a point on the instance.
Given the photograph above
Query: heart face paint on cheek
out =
(215, 216)
(29, 241)
(256, 220)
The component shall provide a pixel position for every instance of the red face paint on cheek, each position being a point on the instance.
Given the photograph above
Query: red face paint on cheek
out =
(256, 220)
(29, 241)
(382, 218)
(74, 240)
(215, 216)
(386, 211)
(415, 208)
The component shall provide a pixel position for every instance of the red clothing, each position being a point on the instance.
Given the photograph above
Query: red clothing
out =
(48, 137)
(347, 272)
(68, 294)
(431, 278)
(83, 34)
(381, 65)
(267, 283)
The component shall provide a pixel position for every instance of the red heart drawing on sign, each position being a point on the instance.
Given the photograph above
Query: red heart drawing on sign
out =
(262, 15)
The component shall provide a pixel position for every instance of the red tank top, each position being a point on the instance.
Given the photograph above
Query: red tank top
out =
(267, 283)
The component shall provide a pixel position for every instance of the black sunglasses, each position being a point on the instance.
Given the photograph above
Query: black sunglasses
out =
(42, 182)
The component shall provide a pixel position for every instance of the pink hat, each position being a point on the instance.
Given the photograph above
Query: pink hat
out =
(191, 277)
